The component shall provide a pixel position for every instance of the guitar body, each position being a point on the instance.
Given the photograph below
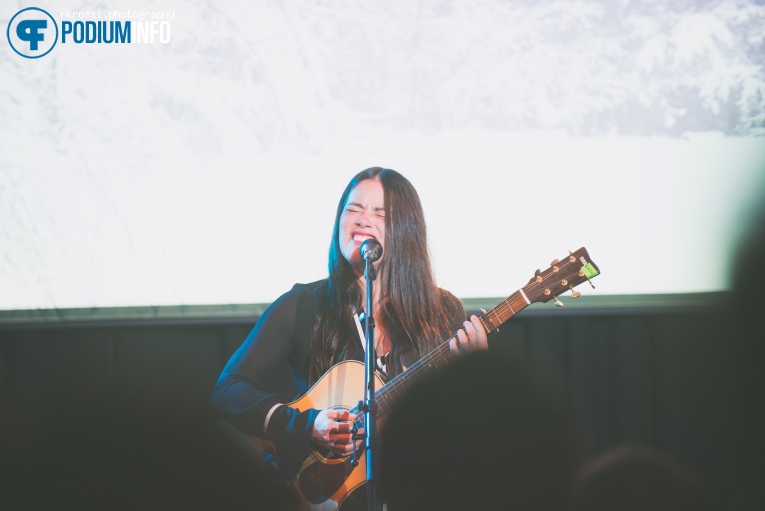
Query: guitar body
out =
(325, 483)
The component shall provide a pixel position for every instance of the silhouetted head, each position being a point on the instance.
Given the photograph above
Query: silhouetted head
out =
(482, 433)
(632, 478)
(125, 454)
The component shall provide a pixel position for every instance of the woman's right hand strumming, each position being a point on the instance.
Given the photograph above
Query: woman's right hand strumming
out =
(333, 430)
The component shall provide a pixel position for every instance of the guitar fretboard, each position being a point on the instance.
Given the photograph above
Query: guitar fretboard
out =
(442, 355)
(560, 277)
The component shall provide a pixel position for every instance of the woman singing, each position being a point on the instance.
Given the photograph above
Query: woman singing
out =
(314, 326)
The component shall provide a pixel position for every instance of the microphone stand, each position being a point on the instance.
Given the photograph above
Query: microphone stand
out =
(369, 405)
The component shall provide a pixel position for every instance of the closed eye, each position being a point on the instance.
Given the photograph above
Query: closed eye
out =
(358, 208)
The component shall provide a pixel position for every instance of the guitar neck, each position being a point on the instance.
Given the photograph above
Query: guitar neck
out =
(560, 277)
(442, 355)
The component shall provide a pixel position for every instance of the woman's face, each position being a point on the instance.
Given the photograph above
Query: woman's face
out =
(363, 217)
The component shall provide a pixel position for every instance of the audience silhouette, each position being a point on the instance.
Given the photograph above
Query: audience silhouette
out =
(129, 454)
(484, 432)
(636, 478)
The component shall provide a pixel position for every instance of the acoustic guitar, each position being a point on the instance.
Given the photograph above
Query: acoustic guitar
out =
(327, 483)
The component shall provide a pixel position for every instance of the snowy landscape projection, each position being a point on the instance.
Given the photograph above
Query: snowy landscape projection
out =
(206, 169)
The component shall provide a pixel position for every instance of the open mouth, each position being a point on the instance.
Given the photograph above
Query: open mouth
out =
(362, 237)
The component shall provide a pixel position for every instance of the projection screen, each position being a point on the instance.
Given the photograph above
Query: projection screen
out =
(201, 162)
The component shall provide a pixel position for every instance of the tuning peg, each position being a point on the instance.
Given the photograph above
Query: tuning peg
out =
(581, 274)
(558, 303)
(538, 275)
(574, 294)
(554, 262)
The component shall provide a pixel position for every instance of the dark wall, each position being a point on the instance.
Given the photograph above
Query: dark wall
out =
(674, 380)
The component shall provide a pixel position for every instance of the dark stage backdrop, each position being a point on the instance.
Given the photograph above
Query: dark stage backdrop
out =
(676, 378)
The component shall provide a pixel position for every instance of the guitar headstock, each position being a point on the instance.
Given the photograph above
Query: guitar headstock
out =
(561, 276)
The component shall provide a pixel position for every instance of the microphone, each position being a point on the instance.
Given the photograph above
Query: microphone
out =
(371, 250)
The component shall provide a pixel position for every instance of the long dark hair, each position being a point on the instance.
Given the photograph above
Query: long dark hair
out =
(416, 314)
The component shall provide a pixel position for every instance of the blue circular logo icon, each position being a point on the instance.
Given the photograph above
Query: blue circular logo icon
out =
(32, 33)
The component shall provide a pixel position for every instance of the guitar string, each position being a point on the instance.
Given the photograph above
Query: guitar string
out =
(532, 292)
(425, 362)
(504, 305)
(430, 359)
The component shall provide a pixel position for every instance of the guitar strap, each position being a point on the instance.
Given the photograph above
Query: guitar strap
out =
(380, 362)
(357, 320)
